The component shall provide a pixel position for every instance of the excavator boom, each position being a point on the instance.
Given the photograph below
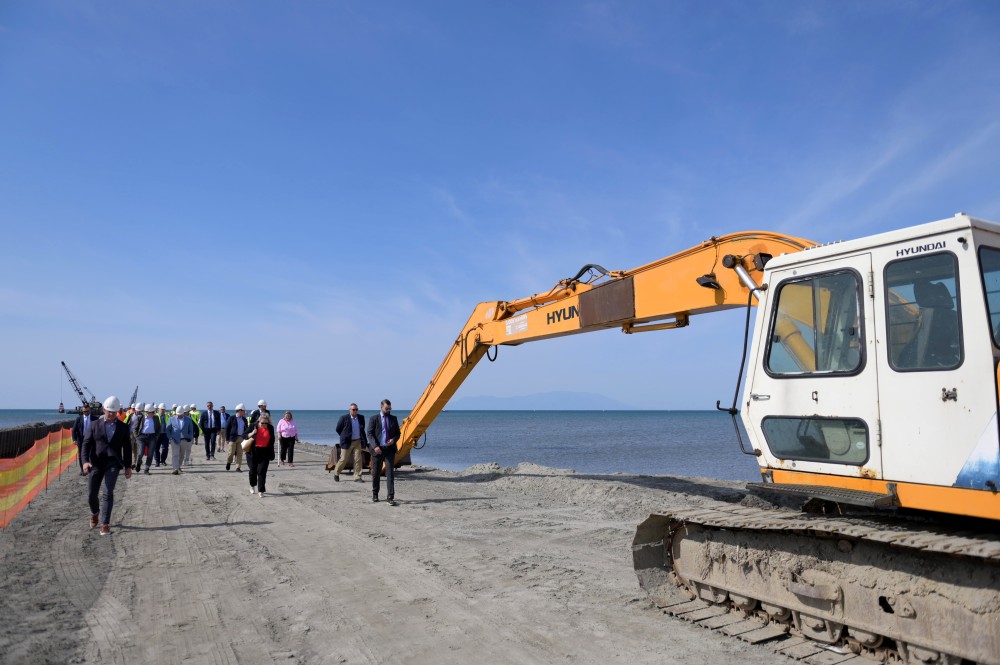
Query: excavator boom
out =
(660, 295)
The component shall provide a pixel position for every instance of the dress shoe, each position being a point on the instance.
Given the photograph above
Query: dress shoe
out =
(146, 472)
(375, 499)
(228, 464)
(358, 480)
(93, 521)
(336, 477)
(176, 472)
(105, 530)
(392, 502)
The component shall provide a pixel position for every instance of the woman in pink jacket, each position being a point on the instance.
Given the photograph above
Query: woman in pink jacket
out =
(288, 434)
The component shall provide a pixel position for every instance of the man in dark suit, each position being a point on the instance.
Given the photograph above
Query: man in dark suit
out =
(81, 428)
(383, 435)
(210, 425)
(351, 428)
(107, 449)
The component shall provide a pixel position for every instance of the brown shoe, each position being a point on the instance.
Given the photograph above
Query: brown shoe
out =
(93, 521)
(105, 530)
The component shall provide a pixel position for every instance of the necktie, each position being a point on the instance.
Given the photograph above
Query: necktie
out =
(385, 428)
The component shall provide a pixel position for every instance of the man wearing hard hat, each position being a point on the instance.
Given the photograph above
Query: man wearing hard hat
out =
(236, 432)
(106, 451)
(258, 412)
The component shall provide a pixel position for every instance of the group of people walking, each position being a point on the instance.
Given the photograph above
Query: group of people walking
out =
(121, 438)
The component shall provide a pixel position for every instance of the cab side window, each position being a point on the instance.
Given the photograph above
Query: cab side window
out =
(989, 265)
(816, 327)
(923, 313)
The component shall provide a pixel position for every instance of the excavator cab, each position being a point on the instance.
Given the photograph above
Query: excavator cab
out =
(874, 375)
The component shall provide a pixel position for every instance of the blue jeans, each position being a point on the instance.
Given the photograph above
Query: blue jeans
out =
(148, 444)
(103, 472)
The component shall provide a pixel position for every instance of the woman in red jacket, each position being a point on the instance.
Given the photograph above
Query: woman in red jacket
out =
(260, 454)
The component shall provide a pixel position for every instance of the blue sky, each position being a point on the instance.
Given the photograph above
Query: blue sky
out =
(303, 201)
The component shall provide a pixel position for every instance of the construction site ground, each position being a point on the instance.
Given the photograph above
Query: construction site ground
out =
(489, 565)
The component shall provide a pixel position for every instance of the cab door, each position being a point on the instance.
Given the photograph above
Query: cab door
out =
(812, 399)
(938, 374)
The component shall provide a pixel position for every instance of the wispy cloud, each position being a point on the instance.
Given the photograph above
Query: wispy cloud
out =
(450, 204)
(836, 186)
(978, 149)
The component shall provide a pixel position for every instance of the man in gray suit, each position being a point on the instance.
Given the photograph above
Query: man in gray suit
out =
(383, 435)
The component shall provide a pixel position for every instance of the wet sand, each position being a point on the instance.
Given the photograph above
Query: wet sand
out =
(489, 565)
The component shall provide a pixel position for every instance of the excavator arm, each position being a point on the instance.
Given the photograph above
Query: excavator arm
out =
(713, 276)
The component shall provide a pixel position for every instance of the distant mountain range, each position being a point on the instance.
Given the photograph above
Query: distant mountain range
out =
(560, 400)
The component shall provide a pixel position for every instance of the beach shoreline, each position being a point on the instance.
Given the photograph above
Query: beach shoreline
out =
(496, 565)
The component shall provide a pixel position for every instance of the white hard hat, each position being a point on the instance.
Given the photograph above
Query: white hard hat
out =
(193, 408)
(261, 402)
(161, 405)
(239, 407)
(112, 404)
(149, 408)
(173, 406)
(132, 405)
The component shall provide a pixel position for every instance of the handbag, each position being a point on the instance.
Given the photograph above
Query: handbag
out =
(247, 443)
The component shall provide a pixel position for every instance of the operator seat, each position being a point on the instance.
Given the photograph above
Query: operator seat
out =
(936, 343)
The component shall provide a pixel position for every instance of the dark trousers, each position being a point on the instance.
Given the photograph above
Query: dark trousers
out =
(389, 457)
(103, 472)
(147, 446)
(286, 447)
(210, 437)
(163, 445)
(258, 462)
(79, 454)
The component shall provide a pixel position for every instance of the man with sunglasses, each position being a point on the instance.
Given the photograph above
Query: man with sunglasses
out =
(351, 428)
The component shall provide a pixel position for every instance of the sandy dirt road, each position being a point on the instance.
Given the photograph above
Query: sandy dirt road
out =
(475, 567)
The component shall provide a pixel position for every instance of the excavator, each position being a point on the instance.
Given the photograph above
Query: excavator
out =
(870, 404)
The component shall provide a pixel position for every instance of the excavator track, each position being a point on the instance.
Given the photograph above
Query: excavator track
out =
(886, 589)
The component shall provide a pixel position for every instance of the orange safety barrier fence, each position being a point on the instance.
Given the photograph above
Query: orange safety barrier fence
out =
(31, 457)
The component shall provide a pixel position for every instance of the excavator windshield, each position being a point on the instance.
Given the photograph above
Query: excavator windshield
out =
(817, 325)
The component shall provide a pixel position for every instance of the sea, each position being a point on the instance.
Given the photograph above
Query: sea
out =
(678, 443)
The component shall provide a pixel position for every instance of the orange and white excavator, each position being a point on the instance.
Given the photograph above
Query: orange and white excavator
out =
(871, 395)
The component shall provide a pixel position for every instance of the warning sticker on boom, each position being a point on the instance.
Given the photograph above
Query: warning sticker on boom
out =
(518, 324)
